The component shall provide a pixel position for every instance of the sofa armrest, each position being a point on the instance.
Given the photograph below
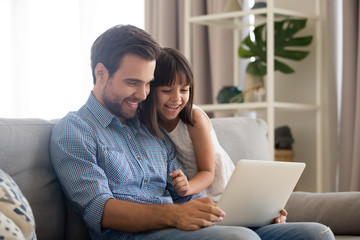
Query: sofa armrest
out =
(338, 210)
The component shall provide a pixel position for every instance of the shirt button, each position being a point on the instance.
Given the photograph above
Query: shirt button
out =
(129, 136)
(139, 158)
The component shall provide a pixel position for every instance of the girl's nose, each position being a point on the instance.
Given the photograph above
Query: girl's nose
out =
(176, 96)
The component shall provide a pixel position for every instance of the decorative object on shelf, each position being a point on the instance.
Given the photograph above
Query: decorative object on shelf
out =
(259, 5)
(284, 32)
(232, 5)
(232, 94)
(229, 94)
(283, 144)
(254, 88)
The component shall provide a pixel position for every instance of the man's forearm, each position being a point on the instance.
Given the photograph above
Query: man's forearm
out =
(136, 217)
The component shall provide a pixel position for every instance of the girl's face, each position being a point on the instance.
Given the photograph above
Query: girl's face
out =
(170, 100)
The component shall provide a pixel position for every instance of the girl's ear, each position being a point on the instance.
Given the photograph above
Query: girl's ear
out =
(101, 73)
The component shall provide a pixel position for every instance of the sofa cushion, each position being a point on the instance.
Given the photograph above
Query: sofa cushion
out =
(9, 230)
(15, 207)
(242, 138)
(24, 155)
(340, 210)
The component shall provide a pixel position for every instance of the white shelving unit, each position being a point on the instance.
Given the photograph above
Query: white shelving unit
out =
(234, 21)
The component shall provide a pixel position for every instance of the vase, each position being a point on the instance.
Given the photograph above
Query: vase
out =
(254, 90)
(232, 5)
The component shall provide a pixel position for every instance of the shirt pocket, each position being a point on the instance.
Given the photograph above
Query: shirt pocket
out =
(117, 165)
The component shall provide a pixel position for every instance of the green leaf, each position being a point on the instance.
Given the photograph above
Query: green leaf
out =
(291, 54)
(256, 68)
(243, 53)
(290, 27)
(300, 41)
(282, 67)
(252, 46)
(258, 33)
(284, 32)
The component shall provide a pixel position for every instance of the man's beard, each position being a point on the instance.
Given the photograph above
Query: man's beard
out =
(115, 107)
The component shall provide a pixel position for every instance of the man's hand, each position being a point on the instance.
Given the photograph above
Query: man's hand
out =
(180, 183)
(196, 214)
(129, 216)
(282, 217)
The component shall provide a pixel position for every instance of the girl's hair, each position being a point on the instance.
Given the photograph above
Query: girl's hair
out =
(170, 66)
(111, 46)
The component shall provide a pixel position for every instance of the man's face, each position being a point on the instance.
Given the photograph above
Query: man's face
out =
(130, 85)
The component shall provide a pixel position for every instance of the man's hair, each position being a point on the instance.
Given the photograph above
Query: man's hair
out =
(170, 65)
(111, 46)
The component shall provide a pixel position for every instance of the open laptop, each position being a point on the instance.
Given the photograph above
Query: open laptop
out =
(257, 191)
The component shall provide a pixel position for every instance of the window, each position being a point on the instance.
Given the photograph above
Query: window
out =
(45, 51)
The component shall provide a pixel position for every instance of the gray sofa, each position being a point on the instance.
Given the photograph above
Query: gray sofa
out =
(24, 155)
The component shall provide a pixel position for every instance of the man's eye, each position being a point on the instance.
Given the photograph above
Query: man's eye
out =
(184, 89)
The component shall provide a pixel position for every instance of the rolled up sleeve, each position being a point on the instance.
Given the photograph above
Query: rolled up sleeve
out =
(73, 150)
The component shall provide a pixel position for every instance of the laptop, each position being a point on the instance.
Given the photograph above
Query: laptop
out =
(257, 191)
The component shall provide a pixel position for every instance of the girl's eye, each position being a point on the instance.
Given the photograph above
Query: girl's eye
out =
(165, 91)
(184, 89)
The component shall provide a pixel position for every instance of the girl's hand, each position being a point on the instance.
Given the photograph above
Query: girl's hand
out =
(282, 217)
(180, 183)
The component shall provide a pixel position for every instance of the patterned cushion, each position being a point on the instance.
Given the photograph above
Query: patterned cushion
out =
(8, 229)
(15, 207)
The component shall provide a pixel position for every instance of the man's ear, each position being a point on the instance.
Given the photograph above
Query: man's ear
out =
(101, 73)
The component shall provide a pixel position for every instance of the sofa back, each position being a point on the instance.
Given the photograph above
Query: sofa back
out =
(242, 138)
(24, 155)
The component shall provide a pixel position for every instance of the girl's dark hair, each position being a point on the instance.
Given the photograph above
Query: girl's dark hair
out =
(170, 65)
(111, 46)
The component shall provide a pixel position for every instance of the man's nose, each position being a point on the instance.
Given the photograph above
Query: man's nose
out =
(142, 92)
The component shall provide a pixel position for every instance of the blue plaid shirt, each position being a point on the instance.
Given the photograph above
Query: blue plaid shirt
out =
(97, 158)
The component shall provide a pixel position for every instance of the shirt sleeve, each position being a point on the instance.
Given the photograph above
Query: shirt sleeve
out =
(73, 150)
(174, 164)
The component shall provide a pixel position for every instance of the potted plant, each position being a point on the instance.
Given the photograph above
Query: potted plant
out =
(284, 39)
(284, 32)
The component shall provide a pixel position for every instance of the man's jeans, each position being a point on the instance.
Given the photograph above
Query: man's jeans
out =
(282, 231)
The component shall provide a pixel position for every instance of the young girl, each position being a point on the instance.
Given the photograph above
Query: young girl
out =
(170, 103)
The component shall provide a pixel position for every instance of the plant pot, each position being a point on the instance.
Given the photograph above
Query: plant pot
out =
(254, 90)
(284, 155)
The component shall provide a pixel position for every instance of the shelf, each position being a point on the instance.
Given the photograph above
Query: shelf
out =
(258, 106)
(271, 109)
(227, 19)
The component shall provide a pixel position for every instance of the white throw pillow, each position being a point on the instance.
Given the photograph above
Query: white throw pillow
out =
(9, 230)
(15, 206)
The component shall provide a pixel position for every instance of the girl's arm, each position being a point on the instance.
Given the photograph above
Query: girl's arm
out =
(204, 154)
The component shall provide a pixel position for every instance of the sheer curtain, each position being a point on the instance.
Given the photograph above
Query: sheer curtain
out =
(45, 51)
(349, 153)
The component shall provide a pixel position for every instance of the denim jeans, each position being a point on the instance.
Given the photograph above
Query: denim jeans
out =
(283, 231)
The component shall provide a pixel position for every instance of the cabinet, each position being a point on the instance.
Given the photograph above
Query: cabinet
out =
(272, 107)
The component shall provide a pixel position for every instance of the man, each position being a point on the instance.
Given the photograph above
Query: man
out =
(116, 173)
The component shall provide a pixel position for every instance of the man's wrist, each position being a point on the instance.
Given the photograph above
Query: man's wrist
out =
(168, 215)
